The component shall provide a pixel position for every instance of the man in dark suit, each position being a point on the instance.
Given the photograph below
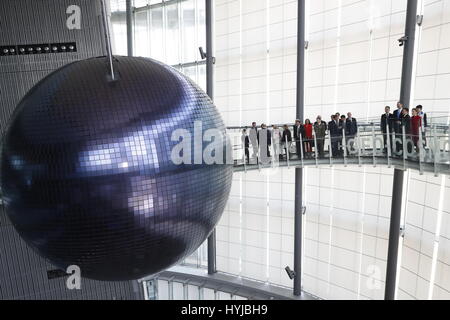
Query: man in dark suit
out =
(246, 144)
(298, 133)
(333, 127)
(406, 123)
(397, 118)
(351, 128)
(387, 125)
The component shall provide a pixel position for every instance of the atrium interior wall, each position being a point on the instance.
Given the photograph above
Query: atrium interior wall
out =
(353, 63)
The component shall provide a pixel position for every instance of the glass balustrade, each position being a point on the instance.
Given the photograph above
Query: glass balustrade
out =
(425, 149)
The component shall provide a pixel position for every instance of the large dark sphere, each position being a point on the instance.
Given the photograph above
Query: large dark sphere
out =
(87, 176)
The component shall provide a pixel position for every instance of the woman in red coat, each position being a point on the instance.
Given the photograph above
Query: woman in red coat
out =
(308, 136)
(416, 126)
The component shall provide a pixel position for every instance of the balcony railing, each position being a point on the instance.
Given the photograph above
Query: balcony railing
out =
(426, 150)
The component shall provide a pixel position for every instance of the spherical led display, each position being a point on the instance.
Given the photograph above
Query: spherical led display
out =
(87, 170)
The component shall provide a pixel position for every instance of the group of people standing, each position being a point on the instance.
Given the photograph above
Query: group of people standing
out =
(305, 136)
(403, 125)
(309, 138)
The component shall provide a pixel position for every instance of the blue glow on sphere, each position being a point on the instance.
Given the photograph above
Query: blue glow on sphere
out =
(87, 176)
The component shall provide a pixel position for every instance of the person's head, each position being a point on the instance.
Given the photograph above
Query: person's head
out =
(415, 112)
(285, 127)
(263, 126)
(338, 115)
(387, 109)
(298, 122)
(343, 117)
(349, 115)
(405, 111)
(419, 108)
(333, 117)
(307, 121)
(319, 119)
(244, 131)
(274, 127)
(254, 124)
(399, 105)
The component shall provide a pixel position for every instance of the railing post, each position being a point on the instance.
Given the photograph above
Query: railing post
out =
(388, 145)
(245, 162)
(359, 144)
(330, 148)
(405, 147)
(374, 146)
(315, 148)
(287, 152)
(301, 151)
(420, 147)
(436, 150)
(345, 147)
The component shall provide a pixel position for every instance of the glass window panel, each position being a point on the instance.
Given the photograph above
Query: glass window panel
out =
(140, 3)
(191, 72)
(201, 25)
(224, 296)
(189, 32)
(178, 291)
(119, 33)
(172, 34)
(163, 290)
(193, 292)
(201, 77)
(141, 35)
(209, 294)
(157, 34)
(117, 5)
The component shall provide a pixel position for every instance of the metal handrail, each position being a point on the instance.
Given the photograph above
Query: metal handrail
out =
(427, 150)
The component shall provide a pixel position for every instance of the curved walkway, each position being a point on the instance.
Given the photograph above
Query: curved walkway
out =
(398, 163)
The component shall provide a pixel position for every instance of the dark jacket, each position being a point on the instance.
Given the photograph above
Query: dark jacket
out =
(247, 142)
(333, 127)
(287, 135)
(351, 127)
(425, 120)
(320, 130)
(297, 133)
(397, 121)
(387, 120)
(406, 122)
